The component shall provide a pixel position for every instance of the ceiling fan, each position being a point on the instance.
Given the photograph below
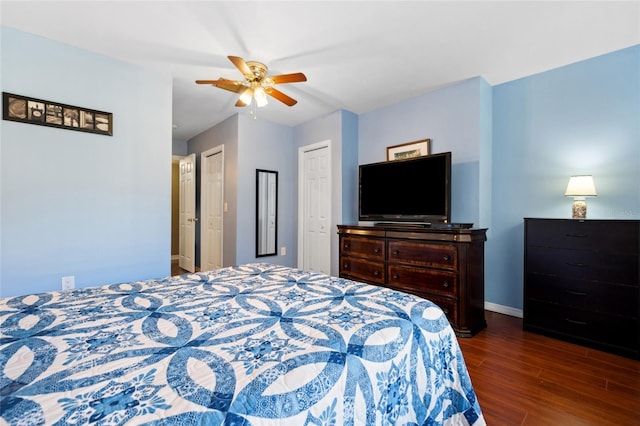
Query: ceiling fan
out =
(257, 84)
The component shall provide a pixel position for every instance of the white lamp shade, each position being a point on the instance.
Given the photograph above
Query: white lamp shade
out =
(581, 186)
(246, 96)
(260, 97)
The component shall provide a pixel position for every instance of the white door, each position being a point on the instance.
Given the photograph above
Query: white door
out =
(314, 199)
(187, 237)
(212, 201)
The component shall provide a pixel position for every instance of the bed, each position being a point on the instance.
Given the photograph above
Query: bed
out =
(256, 344)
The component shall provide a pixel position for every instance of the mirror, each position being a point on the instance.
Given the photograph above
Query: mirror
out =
(266, 212)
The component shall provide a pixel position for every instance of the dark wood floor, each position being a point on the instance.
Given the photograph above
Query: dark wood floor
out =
(176, 269)
(522, 378)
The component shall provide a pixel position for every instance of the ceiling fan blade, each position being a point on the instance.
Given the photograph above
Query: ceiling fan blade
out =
(280, 96)
(288, 78)
(239, 103)
(241, 65)
(232, 86)
(207, 81)
(223, 83)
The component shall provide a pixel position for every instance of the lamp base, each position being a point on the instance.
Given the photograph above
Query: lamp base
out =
(579, 209)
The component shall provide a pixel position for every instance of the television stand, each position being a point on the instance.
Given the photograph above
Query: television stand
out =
(444, 265)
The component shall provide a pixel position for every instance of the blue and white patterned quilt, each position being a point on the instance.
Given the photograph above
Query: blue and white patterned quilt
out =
(257, 344)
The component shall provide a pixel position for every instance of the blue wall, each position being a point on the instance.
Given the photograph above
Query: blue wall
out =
(73, 203)
(349, 169)
(265, 145)
(579, 119)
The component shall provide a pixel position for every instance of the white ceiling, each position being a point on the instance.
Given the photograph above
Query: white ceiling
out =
(357, 56)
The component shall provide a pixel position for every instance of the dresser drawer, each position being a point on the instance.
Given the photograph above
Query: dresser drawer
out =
(583, 264)
(362, 270)
(575, 323)
(407, 278)
(448, 306)
(612, 299)
(443, 256)
(442, 265)
(574, 234)
(370, 248)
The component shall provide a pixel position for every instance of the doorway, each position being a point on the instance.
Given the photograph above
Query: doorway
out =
(187, 214)
(314, 207)
(175, 216)
(211, 211)
(212, 208)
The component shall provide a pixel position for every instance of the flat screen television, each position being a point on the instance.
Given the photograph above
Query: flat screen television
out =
(413, 190)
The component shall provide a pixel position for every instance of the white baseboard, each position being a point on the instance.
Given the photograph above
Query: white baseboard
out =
(501, 309)
(175, 257)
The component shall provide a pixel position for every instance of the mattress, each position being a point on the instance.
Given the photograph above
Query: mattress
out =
(256, 344)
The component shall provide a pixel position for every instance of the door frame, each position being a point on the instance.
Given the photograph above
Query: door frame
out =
(175, 159)
(301, 205)
(203, 202)
(187, 225)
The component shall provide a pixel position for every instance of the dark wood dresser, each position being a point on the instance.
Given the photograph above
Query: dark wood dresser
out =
(581, 282)
(444, 265)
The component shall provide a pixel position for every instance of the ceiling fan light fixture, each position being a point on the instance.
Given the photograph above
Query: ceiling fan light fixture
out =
(257, 85)
(246, 96)
(260, 96)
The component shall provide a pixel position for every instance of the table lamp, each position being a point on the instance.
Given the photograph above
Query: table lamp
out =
(580, 187)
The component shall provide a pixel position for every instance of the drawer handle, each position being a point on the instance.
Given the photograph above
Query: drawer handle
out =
(346, 245)
(577, 235)
(376, 250)
(446, 311)
(445, 284)
(396, 276)
(572, 321)
(576, 293)
(446, 257)
(345, 266)
(395, 252)
(577, 264)
(376, 273)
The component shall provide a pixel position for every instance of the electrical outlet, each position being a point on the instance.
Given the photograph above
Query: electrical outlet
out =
(283, 251)
(68, 282)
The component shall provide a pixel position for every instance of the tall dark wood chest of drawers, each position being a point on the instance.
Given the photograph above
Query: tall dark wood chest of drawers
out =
(581, 282)
(445, 266)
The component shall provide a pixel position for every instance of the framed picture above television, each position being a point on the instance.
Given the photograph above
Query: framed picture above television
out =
(409, 150)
